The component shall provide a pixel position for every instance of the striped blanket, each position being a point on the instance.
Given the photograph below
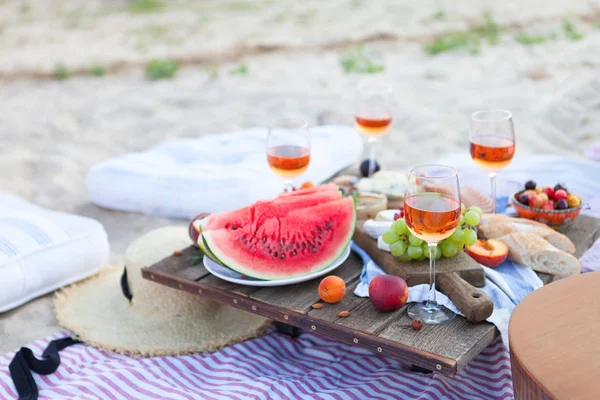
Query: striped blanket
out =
(274, 366)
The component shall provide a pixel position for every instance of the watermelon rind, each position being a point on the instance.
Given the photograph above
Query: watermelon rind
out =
(231, 264)
(202, 244)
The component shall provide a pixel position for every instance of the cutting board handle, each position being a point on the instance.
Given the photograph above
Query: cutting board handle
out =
(475, 305)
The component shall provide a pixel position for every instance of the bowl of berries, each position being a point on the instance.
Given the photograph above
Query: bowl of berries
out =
(553, 206)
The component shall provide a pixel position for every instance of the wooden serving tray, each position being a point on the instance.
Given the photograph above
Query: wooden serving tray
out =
(445, 348)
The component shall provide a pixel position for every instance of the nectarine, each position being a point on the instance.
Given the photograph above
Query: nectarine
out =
(388, 292)
(194, 228)
(490, 253)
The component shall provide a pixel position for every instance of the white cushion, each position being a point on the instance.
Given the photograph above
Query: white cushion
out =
(42, 250)
(213, 173)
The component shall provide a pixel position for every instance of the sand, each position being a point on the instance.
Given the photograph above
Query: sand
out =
(52, 131)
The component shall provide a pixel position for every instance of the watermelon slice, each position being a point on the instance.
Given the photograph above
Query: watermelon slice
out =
(265, 209)
(260, 211)
(304, 241)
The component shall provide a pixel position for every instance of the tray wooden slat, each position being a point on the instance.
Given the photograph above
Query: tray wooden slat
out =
(292, 305)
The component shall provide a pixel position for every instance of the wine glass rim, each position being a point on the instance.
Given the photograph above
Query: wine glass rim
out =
(500, 115)
(374, 87)
(451, 171)
(289, 122)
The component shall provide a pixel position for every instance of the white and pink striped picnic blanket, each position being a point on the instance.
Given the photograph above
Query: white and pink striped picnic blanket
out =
(274, 366)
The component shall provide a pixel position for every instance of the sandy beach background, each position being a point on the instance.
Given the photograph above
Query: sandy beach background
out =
(74, 92)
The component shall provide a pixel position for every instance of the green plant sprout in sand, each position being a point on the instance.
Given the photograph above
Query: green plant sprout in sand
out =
(161, 69)
(240, 70)
(358, 61)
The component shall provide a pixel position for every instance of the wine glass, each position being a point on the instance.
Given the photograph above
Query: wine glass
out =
(492, 142)
(288, 148)
(373, 114)
(432, 213)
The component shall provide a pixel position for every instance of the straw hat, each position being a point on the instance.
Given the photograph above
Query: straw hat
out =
(159, 320)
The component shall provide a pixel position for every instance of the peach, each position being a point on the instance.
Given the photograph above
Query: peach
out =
(490, 253)
(544, 197)
(306, 185)
(548, 205)
(535, 201)
(194, 228)
(332, 289)
(560, 194)
(388, 292)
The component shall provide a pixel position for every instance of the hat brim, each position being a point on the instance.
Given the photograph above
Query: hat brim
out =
(159, 320)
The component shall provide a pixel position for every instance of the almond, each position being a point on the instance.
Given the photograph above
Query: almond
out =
(317, 306)
(344, 314)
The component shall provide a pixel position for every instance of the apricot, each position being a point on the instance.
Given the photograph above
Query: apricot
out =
(332, 289)
(388, 292)
(306, 185)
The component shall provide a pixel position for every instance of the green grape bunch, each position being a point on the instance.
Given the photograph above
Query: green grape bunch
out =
(407, 247)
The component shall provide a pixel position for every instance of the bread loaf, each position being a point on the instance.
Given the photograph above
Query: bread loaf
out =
(493, 226)
(536, 253)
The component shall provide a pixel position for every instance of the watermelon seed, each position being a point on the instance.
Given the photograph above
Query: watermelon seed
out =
(275, 254)
(233, 227)
(329, 224)
(319, 243)
(282, 256)
(319, 230)
(281, 243)
(297, 245)
(294, 253)
(303, 245)
(264, 239)
(313, 250)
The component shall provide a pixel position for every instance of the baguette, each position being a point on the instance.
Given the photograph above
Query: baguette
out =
(493, 226)
(534, 252)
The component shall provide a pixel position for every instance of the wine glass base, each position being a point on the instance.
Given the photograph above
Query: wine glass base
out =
(430, 314)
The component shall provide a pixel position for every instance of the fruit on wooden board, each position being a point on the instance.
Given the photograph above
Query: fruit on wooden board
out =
(194, 228)
(364, 168)
(388, 292)
(406, 247)
(274, 246)
(490, 253)
(332, 289)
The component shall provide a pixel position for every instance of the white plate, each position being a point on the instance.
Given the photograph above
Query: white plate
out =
(235, 277)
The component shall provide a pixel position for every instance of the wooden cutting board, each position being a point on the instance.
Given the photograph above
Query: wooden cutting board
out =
(554, 346)
(457, 277)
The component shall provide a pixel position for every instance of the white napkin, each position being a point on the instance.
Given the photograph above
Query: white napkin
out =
(213, 173)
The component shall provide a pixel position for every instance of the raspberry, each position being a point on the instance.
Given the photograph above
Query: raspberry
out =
(417, 324)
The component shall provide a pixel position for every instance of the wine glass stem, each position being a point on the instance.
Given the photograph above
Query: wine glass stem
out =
(493, 182)
(431, 300)
(288, 186)
(372, 161)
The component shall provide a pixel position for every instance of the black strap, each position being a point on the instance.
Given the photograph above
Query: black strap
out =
(125, 285)
(24, 362)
